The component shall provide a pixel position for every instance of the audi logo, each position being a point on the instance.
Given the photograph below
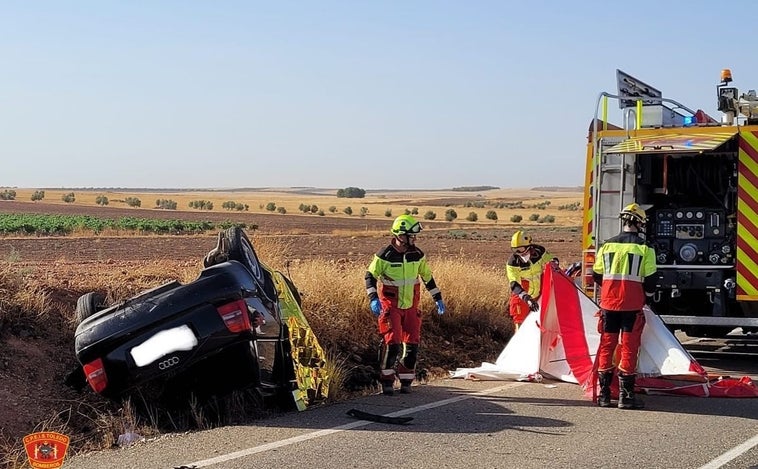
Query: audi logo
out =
(168, 363)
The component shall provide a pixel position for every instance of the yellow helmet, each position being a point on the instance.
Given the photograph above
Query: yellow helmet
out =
(633, 213)
(405, 224)
(520, 240)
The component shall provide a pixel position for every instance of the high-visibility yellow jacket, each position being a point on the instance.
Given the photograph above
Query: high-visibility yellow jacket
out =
(399, 274)
(526, 276)
(625, 269)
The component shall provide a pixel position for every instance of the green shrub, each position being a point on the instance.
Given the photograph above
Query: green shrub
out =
(429, 215)
(534, 217)
(133, 202)
(491, 215)
(101, 200)
(201, 204)
(472, 216)
(165, 204)
(9, 195)
(450, 214)
(547, 219)
(516, 218)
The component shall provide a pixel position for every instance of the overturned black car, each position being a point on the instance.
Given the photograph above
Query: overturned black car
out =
(239, 324)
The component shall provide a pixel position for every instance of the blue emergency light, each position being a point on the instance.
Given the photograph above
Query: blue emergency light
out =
(689, 120)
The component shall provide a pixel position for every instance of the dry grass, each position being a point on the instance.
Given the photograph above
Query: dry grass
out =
(20, 295)
(334, 301)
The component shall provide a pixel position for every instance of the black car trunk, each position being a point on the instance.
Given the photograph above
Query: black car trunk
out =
(114, 326)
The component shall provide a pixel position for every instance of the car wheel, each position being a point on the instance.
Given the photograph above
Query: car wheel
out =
(89, 304)
(241, 250)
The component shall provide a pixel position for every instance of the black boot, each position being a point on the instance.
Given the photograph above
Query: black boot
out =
(626, 393)
(604, 397)
(405, 386)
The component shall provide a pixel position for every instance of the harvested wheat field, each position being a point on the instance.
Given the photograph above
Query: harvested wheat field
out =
(41, 278)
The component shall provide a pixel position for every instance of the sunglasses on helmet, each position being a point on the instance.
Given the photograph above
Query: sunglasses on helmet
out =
(521, 250)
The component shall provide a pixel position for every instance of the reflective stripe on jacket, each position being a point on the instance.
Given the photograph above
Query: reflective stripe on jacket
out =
(626, 267)
(399, 274)
(527, 275)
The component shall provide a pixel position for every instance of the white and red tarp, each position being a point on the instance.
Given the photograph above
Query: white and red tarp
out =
(560, 341)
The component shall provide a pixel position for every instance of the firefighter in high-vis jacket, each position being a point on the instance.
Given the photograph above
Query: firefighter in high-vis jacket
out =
(625, 270)
(524, 271)
(398, 267)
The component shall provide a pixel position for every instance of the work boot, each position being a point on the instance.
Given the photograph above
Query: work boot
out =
(405, 386)
(388, 388)
(626, 393)
(604, 397)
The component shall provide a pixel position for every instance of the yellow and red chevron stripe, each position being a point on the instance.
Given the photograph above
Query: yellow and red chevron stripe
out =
(672, 142)
(747, 217)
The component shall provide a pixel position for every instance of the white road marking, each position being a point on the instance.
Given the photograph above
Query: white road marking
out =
(732, 454)
(348, 426)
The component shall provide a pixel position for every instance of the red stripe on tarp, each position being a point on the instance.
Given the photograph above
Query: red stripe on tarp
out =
(570, 322)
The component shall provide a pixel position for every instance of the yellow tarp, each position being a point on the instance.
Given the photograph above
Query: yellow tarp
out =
(308, 356)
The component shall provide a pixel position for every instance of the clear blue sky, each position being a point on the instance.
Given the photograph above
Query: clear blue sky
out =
(381, 94)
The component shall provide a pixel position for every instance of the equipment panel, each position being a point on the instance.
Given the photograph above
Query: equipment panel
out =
(690, 235)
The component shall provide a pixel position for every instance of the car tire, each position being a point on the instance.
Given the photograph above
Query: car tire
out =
(89, 304)
(241, 250)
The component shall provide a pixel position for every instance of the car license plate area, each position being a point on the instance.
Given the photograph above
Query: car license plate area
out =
(162, 343)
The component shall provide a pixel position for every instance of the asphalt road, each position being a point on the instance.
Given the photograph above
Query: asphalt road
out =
(485, 424)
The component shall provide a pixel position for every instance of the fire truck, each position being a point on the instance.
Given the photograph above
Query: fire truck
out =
(697, 179)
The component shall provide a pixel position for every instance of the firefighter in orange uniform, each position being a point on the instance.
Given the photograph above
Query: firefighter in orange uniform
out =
(400, 267)
(524, 271)
(625, 270)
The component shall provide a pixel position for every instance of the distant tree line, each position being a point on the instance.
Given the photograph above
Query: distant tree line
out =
(474, 188)
(351, 193)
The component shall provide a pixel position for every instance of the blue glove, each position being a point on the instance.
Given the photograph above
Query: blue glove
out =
(440, 307)
(376, 307)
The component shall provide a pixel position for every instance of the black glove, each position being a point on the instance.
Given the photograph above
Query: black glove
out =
(533, 306)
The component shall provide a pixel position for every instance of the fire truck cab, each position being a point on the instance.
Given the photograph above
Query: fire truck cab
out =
(697, 179)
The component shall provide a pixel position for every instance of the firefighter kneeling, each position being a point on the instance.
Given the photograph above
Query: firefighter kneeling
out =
(625, 270)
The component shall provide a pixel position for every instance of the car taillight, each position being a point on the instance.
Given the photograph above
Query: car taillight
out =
(235, 316)
(94, 371)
